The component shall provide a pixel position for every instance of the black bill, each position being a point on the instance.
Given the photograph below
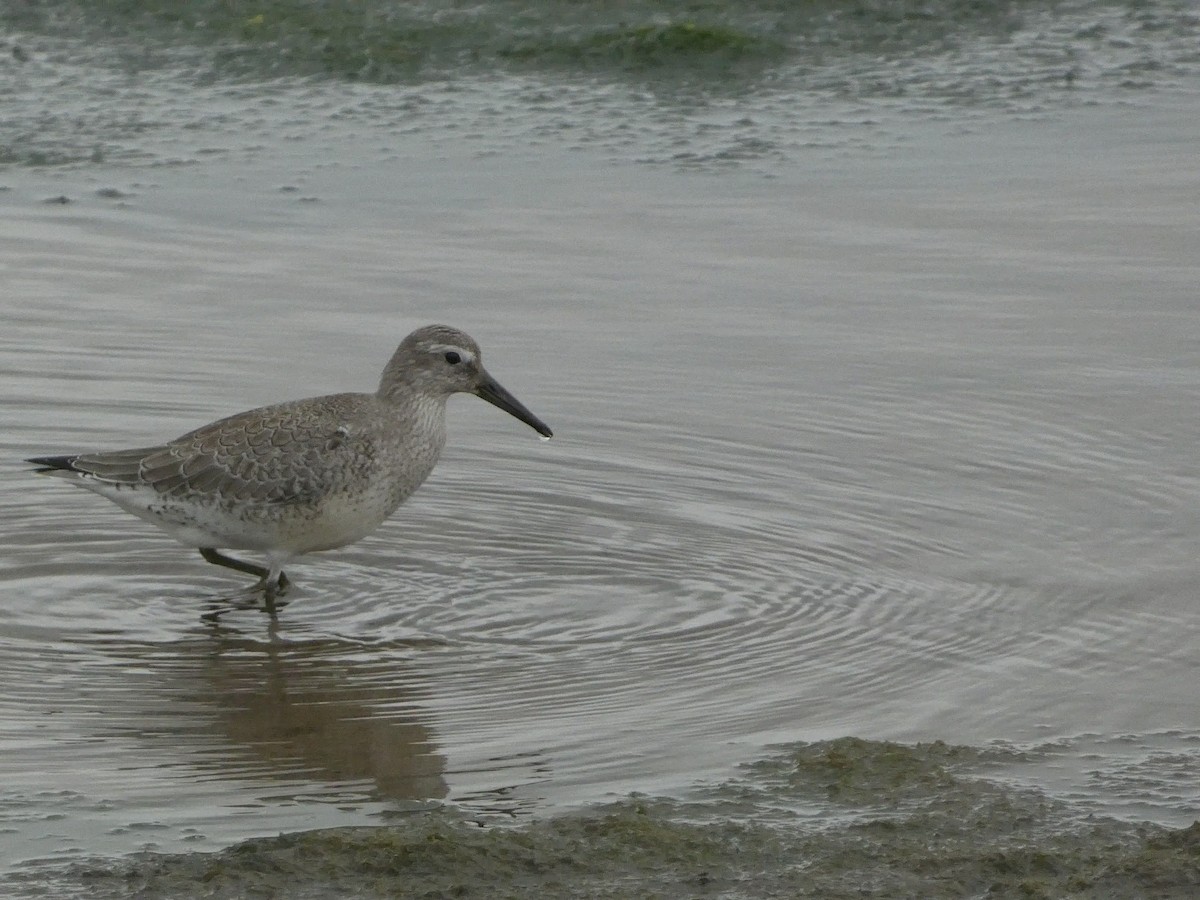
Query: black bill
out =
(496, 395)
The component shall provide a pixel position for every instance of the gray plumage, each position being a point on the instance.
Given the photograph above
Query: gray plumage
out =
(302, 476)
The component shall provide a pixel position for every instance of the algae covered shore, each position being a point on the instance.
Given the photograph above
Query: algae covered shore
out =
(846, 818)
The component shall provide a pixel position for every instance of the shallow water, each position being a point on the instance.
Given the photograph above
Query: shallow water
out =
(892, 443)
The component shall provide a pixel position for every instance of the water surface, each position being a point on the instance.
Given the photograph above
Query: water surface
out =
(883, 439)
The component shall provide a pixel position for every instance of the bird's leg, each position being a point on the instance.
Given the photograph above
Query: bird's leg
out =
(269, 591)
(276, 581)
(220, 559)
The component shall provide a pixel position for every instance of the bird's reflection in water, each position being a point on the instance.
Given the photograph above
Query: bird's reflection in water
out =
(297, 709)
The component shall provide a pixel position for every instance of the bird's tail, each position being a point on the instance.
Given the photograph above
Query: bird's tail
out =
(54, 463)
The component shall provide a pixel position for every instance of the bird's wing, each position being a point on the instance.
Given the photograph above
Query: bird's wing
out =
(288, 453)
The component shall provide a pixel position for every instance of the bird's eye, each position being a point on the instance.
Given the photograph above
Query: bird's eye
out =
(453, 358)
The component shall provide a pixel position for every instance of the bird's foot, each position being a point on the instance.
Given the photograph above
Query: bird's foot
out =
(272, 591)
(263, 594)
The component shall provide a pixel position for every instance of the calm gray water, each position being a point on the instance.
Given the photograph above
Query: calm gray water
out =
(888, 433)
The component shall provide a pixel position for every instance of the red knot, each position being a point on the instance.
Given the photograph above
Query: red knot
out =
(303, 476)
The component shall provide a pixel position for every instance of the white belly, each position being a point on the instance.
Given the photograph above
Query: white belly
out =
(338, 520)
